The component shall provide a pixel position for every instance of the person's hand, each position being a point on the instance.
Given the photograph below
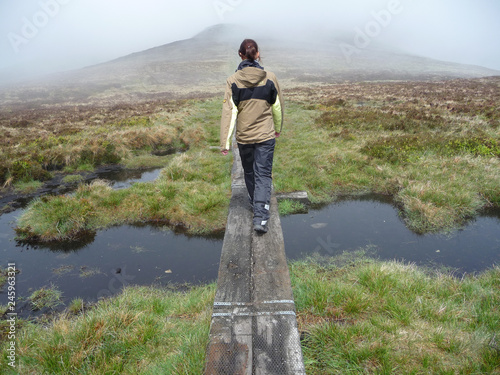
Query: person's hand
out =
(224, 152)
(277, 135)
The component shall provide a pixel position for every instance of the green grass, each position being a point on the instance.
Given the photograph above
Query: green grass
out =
(192, 191)
(362, 316)
(76, 143)
(436, 153)
(27, 187)
(356, 316)
(72, 179)
(46, 297)
(145, 160)
(79, 167)
(76, 306)
(3, 276)
(143, 330)
(441, 169)
(289, 207)
(440, 161)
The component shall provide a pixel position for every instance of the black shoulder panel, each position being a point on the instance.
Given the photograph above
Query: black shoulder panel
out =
(267, 92)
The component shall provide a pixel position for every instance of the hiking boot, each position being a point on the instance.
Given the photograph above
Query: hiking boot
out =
(260, 228)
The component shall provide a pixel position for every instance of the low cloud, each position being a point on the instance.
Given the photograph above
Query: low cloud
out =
(41, 36)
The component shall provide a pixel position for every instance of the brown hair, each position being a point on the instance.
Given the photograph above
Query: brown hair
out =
(249, 49)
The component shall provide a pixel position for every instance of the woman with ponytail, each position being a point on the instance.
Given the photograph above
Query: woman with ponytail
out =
(254, 107)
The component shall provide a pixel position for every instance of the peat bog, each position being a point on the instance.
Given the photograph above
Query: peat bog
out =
(433, 146)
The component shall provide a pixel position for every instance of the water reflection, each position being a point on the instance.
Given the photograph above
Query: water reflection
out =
(122, 179)
(100, 264)
(107, 261)
(114, 258)
(372, 221)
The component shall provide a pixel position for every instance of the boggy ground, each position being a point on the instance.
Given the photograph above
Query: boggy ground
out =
(355, 316)
(434, 146)
(430, 144)
(37, 138)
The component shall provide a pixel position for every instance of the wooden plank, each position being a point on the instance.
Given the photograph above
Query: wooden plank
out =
(230, 348)
(271, 279)
(276, 346)
(254, 327)
(234, 278)
(276, 341)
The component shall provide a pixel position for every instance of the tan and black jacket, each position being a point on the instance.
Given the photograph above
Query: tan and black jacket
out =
(252, 104)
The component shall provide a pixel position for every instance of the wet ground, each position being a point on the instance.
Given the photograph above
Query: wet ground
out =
(118, 177)
(102, 264)
(373, 223)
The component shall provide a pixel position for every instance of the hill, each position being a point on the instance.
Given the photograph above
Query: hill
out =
(200, 65)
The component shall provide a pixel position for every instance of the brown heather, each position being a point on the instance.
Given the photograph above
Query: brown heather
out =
(434, 146)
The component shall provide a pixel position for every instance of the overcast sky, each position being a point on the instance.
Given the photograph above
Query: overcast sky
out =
(39, 36)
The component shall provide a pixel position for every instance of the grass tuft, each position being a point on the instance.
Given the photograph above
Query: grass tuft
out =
(46, 297)
(3, 276)
(142, 330)
(76, 306)
(290, 207)
(365, 316)
(72, 179)
(27, 187)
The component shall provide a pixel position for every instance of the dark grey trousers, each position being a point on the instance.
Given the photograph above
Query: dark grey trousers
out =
(257, 162)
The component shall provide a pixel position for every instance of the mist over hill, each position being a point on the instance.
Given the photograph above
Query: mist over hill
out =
(202, 63)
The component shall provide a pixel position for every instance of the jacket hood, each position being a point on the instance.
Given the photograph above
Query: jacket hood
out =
(250, 73)
(250, 76)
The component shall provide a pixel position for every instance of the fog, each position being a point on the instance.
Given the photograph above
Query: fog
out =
(44, 36)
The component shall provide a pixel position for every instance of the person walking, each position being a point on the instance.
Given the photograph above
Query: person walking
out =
(254, 106)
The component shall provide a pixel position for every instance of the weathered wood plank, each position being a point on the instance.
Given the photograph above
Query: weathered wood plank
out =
(230, 349)
(235, 264)
(271, 279)
(254, 327)
(276, 341)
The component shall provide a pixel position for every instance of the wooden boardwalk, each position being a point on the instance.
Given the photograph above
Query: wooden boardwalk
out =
(254, 326)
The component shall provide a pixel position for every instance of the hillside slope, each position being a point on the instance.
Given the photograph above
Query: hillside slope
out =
(202, 63)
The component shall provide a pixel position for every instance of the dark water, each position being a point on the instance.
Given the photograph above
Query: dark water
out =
(145, 255)
(373, 223)
(122, 179)
(114, 258)
(101, 265)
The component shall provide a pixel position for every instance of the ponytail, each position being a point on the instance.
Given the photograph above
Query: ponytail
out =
(249, 49)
